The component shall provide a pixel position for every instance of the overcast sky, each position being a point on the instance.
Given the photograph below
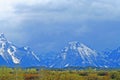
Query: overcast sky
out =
(48, 25)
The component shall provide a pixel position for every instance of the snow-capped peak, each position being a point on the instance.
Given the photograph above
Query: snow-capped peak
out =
(3, 39)
(79, 52)
(14, 55)
(73, 45)
(80, 47)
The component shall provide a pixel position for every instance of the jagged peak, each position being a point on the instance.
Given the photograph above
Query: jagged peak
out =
(80, 47)
(2, 37)
(26, 48)
(76, 44)
(73, 42)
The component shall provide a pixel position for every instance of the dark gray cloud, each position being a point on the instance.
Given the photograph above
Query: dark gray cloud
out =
(48, 25)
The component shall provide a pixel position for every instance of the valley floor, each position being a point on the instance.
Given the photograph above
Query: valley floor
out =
(36, 74)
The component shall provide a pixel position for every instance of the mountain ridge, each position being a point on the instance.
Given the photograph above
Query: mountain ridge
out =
(74, 54)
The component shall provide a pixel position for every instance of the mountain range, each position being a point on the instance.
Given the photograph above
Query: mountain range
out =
(75, 54)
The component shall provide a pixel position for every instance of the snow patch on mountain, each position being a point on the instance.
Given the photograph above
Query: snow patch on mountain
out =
(35, 56)
(12, 54)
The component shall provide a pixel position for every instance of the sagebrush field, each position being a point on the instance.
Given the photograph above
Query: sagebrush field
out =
(42, 74)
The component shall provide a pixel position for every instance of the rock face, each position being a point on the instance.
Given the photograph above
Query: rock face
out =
(113, 57)
(11, 55)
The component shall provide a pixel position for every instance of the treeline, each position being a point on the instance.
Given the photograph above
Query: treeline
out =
(41, 74)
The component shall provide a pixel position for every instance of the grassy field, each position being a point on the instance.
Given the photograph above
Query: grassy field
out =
(34, 74)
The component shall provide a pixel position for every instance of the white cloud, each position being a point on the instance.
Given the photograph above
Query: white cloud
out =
(81, 9)
(7, 7)
(54, 11)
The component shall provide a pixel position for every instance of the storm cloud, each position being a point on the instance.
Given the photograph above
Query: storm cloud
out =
(50, 24)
